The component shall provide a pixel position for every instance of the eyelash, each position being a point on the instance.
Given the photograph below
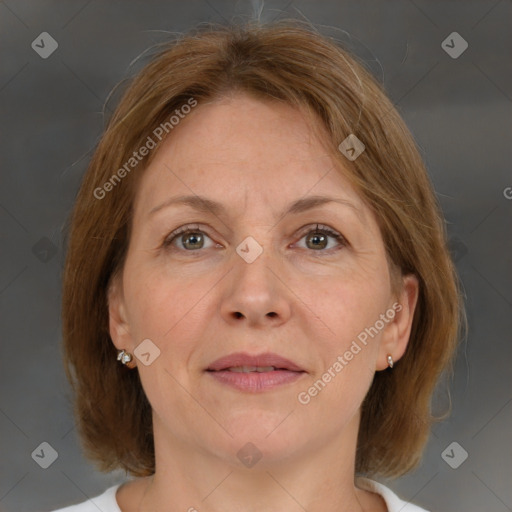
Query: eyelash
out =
(168, 242)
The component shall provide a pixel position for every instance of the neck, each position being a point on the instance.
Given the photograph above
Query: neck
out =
(316, 477)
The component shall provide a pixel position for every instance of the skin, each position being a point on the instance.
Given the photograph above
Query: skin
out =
(305, 303)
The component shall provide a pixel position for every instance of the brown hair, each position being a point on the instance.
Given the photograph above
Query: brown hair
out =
(286, 61)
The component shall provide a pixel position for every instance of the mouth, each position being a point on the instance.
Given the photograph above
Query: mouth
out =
(249, 369)
(244, 363)
(255, 373)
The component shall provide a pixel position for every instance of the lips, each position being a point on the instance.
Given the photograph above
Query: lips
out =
(255, 374)
(243, 362)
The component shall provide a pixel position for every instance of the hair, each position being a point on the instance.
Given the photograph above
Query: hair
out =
(290, 62)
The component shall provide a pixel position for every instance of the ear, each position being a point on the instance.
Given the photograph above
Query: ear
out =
(396, 334)
(118, 321)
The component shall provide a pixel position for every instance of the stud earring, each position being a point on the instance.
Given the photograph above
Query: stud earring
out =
(125, 358)
(390, 361)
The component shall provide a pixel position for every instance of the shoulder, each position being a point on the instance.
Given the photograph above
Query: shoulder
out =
(393, 502)
(105, 502)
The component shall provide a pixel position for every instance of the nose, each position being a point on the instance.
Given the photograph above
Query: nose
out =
(255, 294)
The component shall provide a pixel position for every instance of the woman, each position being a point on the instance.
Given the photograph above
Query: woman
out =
(258, 299)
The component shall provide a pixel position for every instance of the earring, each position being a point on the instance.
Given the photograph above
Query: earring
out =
(390, 361)
(125, 358)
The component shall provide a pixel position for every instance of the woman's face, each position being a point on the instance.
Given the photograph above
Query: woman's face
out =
(254, 276)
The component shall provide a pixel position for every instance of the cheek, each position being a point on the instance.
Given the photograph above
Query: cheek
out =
(173, 312)
(167, 312)
(157, 302)
(349, 309)
(347, 350)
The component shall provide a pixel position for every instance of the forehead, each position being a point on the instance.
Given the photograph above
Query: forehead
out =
(240, 149)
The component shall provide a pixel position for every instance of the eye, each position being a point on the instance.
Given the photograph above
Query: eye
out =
(188, 238)
(318, 239)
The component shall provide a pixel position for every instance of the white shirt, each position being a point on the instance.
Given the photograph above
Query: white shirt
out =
(106, 502)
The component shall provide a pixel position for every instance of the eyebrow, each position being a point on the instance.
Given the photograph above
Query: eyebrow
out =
(205, 205)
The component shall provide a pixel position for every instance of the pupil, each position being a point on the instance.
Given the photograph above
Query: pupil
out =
(318, 237)
(192, 239)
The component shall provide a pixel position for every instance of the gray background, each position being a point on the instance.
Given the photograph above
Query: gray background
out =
(459, 111)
